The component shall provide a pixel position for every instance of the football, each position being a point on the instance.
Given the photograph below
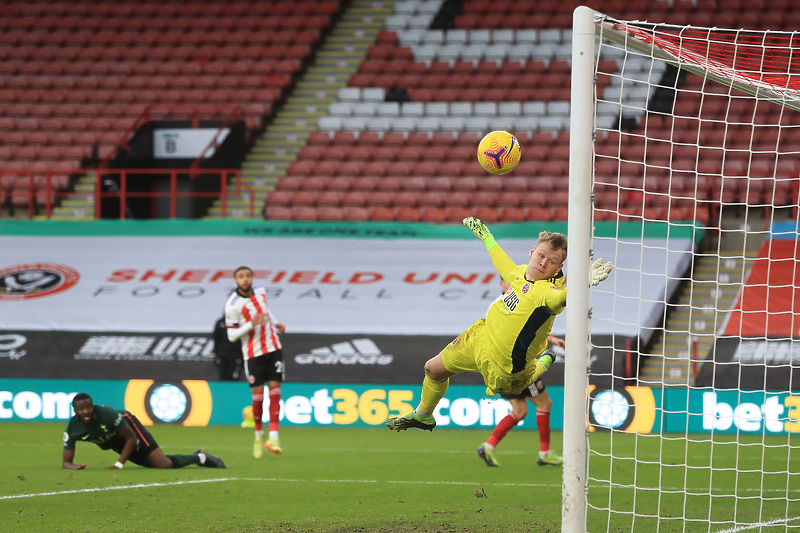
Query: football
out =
(498, 152)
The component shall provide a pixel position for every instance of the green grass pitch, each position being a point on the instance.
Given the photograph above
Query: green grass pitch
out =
(341, 480)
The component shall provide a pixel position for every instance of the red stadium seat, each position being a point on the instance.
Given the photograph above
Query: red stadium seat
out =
(339, 183)
(329, 198)
(279, 198)
(330, 213)
(302, 197)
(367, 183)
(277, 212)
(369, 138)
(356, 213)
(405, 198)
(333, 152)
(512, 214)
(319, 137)
(408, 214)
(304, 212)
(354, 198)
(487, 214)
(381, 213)
(433, 214)
(432, 199)
(380, 198)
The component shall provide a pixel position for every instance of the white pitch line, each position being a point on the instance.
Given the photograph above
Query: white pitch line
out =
(102, 489)
(287, 480)
(296, 480)
(759, 525)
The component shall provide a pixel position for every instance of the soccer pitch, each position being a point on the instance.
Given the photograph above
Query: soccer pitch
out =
(334, 480)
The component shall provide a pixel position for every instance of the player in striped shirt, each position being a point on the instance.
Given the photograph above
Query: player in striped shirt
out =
(248, 319)
(508, 346)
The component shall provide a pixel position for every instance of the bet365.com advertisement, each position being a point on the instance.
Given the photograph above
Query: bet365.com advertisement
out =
(199, 403)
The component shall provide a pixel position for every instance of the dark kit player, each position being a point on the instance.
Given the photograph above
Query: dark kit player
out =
(122, 432)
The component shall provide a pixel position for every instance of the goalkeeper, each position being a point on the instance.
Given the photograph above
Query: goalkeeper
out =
(508, 346)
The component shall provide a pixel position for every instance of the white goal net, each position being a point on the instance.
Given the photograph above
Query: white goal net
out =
(684, 162)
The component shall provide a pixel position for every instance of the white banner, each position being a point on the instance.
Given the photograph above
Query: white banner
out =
(314, 285)
(185, 143)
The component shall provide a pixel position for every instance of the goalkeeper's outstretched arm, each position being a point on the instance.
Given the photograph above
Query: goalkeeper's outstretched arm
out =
(600, 272)
(481, 231)
(500, 259)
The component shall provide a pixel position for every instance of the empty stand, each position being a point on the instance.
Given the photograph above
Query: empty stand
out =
(81, 74)
(503, 66)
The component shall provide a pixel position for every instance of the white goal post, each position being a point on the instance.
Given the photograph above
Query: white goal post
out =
(683, 171)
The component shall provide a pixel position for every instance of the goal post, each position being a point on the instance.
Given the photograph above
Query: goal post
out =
(573, 515)
(684, 163)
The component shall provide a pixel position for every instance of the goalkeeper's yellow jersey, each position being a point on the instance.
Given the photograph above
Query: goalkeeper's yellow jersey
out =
(517, 325)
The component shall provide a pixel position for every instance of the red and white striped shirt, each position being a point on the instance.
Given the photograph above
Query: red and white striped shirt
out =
(239, 311)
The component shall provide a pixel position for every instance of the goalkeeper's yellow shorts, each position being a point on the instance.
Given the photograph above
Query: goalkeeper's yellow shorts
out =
(468, 353)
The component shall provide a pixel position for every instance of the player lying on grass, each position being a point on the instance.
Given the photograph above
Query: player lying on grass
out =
(507, 347)
(122, 432)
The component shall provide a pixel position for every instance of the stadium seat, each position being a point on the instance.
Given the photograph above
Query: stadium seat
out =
(433, 215)
(366, 183)
(330, 213)
(339, 183)
(512, 214)
(304, 212)
(408, 214)
(381, 213)
(356, 213)
(405, 198)
(380, 198)
(354, 198)
(329, 198)
(280, 197)
(431, 199)
(303, 198)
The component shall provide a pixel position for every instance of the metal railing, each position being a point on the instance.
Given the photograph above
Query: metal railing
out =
(42, 188)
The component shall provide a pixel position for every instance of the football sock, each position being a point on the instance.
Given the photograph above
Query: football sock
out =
(273, 435)
(179, 461)
(258, 409)
(503, 427)
(543, 423)
(274, 409)
(432, 392)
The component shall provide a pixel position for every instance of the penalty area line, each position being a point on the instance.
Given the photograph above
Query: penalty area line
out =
(277, 480)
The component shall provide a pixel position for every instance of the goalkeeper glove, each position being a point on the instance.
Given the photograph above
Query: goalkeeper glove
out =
(546, 359)
(481, 231)
(600, 272)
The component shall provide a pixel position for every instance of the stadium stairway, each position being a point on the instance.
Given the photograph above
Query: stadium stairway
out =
(79, 203)
(335, 61)
(714, 286)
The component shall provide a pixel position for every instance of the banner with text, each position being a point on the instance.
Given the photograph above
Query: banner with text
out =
(631, 409)
(436, 281)
(356, 358)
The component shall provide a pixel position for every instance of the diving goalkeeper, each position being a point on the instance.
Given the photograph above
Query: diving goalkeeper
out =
(508, 347)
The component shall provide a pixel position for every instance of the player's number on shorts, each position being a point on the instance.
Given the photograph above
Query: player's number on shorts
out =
(371, 406)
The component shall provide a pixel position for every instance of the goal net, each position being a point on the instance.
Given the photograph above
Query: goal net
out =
(684, 162)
